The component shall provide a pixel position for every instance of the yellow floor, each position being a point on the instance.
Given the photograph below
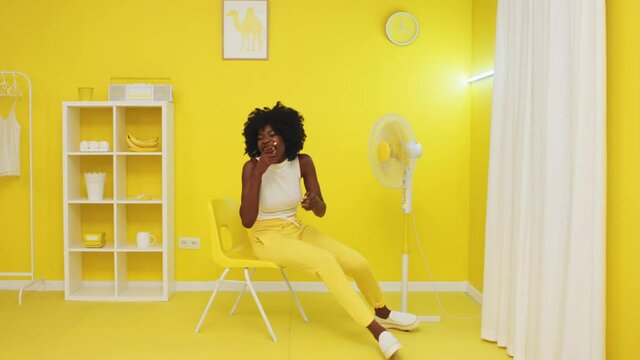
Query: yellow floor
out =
(47, 327)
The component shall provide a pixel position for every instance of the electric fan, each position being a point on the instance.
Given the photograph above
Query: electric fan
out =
(393, 152)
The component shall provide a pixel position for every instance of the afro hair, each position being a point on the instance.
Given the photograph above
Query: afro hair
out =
(285, 121)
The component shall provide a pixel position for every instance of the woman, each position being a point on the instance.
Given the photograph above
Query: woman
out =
(271, 193)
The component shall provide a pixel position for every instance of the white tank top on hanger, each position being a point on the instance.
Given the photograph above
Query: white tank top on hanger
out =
(9, 145)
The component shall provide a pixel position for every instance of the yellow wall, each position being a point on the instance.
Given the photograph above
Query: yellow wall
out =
(328, 59)
(484, 30)
(623, 171)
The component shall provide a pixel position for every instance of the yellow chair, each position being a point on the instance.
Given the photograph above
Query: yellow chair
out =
(227, 229)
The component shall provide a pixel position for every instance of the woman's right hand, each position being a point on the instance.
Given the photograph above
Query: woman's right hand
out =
(267, 158)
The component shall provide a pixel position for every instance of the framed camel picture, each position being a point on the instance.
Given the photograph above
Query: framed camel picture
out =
(244, 31)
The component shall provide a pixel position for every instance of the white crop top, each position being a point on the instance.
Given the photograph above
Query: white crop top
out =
(280, 191)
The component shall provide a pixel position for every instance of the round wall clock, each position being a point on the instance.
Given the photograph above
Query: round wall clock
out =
(402, 28)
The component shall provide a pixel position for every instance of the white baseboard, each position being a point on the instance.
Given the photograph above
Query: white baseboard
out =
(274, 286)
(317, 286)
(50, 285)
(473, 293)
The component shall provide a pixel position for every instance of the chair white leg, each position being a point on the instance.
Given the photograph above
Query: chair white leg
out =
(213, 295)
(233, 309)
(286, 279)
(255, 297)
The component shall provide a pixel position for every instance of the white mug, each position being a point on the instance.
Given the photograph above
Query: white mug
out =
(144, 239)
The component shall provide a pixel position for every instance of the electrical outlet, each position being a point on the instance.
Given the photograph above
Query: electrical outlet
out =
(189, 243)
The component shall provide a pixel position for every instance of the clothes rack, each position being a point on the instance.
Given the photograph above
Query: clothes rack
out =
(13, 90)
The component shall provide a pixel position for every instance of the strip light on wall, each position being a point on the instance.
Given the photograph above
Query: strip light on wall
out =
(480, 76)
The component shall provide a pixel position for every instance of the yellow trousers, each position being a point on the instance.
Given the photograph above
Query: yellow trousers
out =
(291, 244)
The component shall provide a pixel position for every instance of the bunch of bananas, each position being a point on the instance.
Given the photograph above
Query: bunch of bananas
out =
(135, 144)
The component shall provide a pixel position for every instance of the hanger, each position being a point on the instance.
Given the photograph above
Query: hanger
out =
(12, 90)
(3, 86)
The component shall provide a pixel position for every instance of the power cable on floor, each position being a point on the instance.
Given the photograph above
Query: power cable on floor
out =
(444, 312)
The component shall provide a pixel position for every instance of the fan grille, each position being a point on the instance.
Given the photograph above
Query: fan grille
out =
(393, 130)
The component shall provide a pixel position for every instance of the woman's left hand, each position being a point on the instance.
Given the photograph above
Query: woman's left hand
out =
(310, 201)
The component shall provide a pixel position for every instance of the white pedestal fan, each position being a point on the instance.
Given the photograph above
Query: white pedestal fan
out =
(393, 152)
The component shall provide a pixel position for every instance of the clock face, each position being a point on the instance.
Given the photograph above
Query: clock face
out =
(402, 28)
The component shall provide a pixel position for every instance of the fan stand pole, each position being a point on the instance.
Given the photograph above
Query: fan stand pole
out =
(404, 286)
(404, 289)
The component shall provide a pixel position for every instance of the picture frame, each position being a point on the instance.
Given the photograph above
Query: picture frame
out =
(245, 29)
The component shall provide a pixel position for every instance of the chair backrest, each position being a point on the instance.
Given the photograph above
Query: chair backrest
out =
(229, 239)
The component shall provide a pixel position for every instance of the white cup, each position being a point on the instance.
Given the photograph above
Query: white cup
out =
(145, 239)
(95, 185)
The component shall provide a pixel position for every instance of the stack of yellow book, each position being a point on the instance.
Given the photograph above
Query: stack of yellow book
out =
(93, 240)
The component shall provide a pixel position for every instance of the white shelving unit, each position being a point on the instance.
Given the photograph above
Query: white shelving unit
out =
(119, 271)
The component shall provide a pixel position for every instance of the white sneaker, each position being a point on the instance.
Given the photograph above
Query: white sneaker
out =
(389, 345)
(399, 320)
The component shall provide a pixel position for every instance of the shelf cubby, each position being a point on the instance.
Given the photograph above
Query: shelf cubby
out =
(140, 274)
(139, 175)
(91, 276)
(90, 218)
(134, 218)
(142, 122)
(77, 166)
(89, 124)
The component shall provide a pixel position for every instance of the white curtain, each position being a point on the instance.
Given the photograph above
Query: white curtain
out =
(544, 279)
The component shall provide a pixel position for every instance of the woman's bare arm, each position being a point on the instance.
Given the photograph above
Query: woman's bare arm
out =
(313, 198)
